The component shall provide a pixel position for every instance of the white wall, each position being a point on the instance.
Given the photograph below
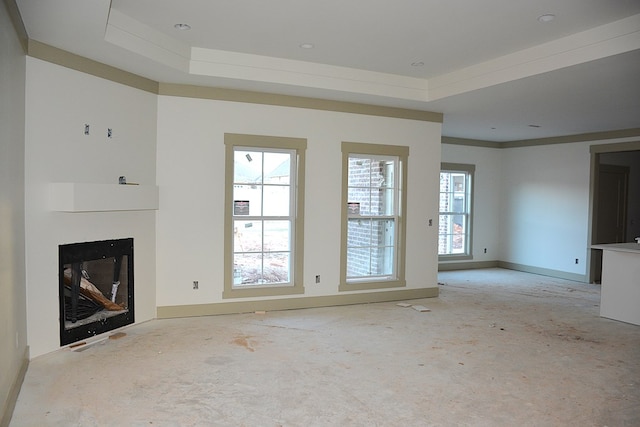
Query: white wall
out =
(531, 204)
(13, 319)
(486, 199)
(190, 225)
(59, 101)
(545, 206)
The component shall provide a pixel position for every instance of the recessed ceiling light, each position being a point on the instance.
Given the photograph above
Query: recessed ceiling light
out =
(417, 64)
(307, 45)
(547, 17)
(183, 27)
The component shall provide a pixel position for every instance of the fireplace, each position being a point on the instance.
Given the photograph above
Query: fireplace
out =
(95, 288)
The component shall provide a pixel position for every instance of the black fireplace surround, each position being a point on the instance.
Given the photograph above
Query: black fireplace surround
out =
(95, 288)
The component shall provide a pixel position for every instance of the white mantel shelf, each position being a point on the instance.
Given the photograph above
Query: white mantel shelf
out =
(83, 197)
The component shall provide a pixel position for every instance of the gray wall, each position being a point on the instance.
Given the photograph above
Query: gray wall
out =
(631, 159)
(13, 322)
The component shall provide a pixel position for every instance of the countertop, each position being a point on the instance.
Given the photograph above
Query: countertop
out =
(619, 247)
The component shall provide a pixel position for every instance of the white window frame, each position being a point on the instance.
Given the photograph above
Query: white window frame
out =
(399, 154)
(467, 213)
(260, 143)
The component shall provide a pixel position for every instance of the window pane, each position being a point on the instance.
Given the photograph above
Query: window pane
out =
(358, 233)
(277, 236)
(383, 202)
(358, 262)
(458, 182)
(247, 269)
(383, 232)
(277, 168)
(382, 174)
(444, 182)
(247, 194)
(459, 203)
(276, 200)
(247, 236)
(247, 167)
(276, 268)
(382, 253)
(361, 196)
(359, 172)
(452, 234)
(382, 261)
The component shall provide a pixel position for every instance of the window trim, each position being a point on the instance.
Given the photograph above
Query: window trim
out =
(468, 169)
(402, 152)
(299, 145)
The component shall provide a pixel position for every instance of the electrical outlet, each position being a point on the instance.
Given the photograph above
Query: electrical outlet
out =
(485, 250)
(195, 284)
(430, 222)
(318, 278)
(86, 129)
(576, 260)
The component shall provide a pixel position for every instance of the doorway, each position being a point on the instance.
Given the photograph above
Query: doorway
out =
(615, 199)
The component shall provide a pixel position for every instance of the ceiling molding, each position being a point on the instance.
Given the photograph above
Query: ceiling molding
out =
(567, 139)
(596, 43)
(222, 94)
(66, 59)
(134, 36)
(80, 63)
(615, 147)
(18, 23)
(583, 137)
(471, 142)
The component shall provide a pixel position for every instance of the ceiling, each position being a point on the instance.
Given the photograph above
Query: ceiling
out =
(494, 70)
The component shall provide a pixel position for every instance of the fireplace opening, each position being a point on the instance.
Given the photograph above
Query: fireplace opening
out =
(95, 288)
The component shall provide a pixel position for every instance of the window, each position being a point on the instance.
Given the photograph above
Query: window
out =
(454, 226)
(264, 215)
(373, 231)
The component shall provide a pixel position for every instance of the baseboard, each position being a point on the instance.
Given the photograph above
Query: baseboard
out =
(466, 265)
(471, 265)
(167, 312)
(10, 404)
(543, 271)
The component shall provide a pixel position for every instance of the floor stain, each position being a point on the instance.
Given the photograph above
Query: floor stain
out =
(244, 341)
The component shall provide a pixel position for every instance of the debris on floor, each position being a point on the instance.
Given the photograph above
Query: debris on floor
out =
(420, 308)
(117, 335)
(78, 344)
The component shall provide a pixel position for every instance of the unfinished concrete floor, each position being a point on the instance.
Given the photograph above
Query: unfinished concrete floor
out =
(499, 348)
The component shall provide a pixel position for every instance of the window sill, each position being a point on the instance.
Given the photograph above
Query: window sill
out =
(462, 257)
(379, 284)
(264, 291)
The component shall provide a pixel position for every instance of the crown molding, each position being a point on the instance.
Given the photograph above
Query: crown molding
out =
(566, 139)
(582, 137)
(70, 60)
(235, 95)
(18, 23)
(471, 142)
